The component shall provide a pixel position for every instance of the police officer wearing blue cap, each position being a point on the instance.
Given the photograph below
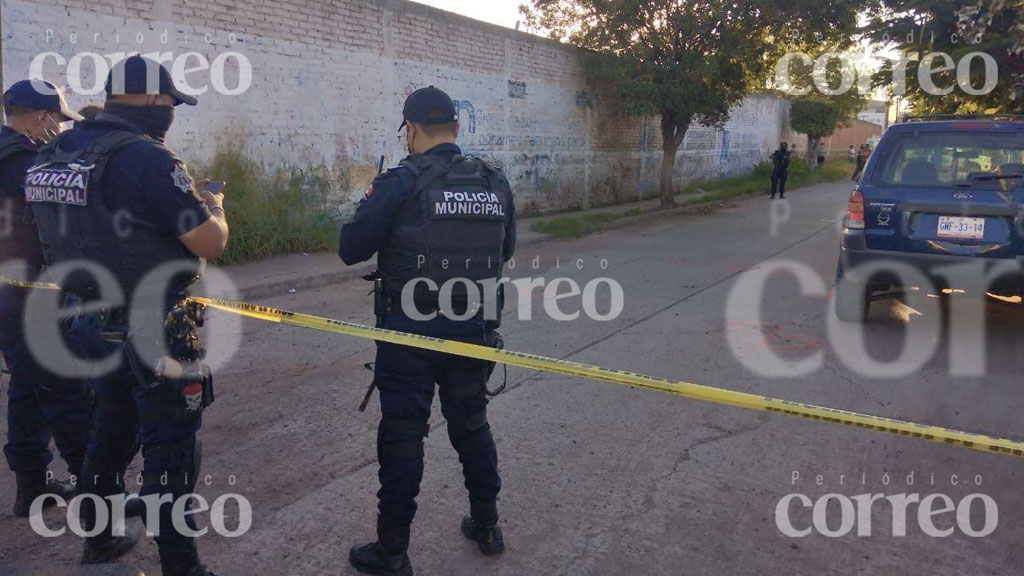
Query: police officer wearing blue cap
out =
(110, 195)
(440, 219)
(40, 404)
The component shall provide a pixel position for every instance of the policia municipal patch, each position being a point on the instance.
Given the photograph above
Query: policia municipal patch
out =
(483, 205)
(57, 186)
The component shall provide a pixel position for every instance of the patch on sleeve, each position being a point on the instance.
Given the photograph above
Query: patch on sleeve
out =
(369, 192)
(182, 181)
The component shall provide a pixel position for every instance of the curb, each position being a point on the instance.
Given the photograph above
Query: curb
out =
(275, 288)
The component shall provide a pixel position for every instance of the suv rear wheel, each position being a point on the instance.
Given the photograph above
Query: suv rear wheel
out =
(851, 298)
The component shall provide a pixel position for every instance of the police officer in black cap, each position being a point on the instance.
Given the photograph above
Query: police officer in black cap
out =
(780, 170)
(111, 199)
(40, 404)
(438, 219)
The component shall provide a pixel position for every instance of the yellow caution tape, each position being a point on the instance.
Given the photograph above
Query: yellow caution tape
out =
(24, 284)
(685, 389)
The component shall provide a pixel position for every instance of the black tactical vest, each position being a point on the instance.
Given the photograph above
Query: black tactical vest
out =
(451, 226)
(67, 190)
(19, 241)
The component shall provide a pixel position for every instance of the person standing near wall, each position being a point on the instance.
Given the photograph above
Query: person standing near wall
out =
(172, 225)
(862, 160)
(39, 403)
(438, 207)
(780, 170)
(822, 154)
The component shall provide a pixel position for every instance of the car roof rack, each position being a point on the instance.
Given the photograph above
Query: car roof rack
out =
(939, 117)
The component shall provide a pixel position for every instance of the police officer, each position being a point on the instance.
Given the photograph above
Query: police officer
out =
(40, 405)
(780, 170)
(110, 196)
(439, 217)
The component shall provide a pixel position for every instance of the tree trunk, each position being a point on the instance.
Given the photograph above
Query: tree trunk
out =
(673, 131)
(812, 151)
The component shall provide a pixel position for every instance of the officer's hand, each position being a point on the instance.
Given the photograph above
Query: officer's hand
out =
(209, 198)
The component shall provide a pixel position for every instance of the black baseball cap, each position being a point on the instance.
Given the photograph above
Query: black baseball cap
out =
(39, 95)
(423, 105)
(139, 75)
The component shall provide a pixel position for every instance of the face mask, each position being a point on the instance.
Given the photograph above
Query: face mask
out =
(155, 121)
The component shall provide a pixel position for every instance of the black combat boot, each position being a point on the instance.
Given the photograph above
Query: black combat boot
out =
(182, 560)
(481, 526)
(32, 485)
(106, 547)
(387, 556)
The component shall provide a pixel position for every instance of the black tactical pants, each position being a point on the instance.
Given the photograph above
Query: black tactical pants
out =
(406, 378)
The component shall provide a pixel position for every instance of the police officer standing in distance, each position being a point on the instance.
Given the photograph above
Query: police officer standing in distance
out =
(40, 405)
(780, 170)
(438, 217)
(110, 196)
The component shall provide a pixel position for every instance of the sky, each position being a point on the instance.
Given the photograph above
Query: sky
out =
(500, 12)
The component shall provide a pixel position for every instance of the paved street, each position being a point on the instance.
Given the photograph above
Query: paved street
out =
(605, 479)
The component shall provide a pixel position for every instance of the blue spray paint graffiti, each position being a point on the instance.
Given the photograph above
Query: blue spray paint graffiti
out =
(469, 118)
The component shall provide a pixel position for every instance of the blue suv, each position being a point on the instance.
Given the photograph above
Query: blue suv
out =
(941, 200)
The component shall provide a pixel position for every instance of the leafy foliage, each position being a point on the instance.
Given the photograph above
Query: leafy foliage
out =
(801, 80)
(816, 118)
(957, 28)
(283, 212)
(685, 60)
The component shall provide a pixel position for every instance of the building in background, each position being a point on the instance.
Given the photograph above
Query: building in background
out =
(876, 112)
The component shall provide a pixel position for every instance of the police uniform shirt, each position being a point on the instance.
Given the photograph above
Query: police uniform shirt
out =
(12, 199)
(145, 182)
(367, 232)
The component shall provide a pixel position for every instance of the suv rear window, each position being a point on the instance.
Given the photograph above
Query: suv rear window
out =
(952, 160)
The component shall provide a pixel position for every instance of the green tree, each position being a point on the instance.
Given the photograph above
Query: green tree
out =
(922, 29)
(801, 81)
(684, 60)
(814, 117)
(815, 112)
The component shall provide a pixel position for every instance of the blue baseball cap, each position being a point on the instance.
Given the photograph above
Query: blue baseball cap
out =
(39, 95)
(138, 75)
(423, 106)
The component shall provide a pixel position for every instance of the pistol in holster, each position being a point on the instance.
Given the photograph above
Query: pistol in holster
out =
(181, 373)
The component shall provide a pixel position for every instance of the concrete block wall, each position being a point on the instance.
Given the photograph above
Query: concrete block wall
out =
(329, 78)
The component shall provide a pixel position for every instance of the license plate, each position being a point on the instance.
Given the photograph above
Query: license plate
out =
(960, 227)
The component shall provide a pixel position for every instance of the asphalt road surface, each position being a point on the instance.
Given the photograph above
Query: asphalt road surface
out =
(605, 479)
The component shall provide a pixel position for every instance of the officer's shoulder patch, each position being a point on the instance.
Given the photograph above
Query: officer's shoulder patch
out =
(182, 180)
(391, 176)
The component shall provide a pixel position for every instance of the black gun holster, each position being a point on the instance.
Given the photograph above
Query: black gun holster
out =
(182, 370)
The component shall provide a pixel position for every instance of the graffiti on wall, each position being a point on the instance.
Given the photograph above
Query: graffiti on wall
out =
(467, 115)
(516, 89)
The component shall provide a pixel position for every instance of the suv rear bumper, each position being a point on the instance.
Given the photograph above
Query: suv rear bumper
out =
(941, 269)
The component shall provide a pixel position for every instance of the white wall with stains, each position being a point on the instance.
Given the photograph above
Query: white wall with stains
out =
(328, 79)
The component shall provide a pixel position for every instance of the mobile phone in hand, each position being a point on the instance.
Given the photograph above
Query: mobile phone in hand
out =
(215, 187)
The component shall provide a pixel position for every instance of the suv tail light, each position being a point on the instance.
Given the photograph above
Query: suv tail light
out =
(855, 211)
